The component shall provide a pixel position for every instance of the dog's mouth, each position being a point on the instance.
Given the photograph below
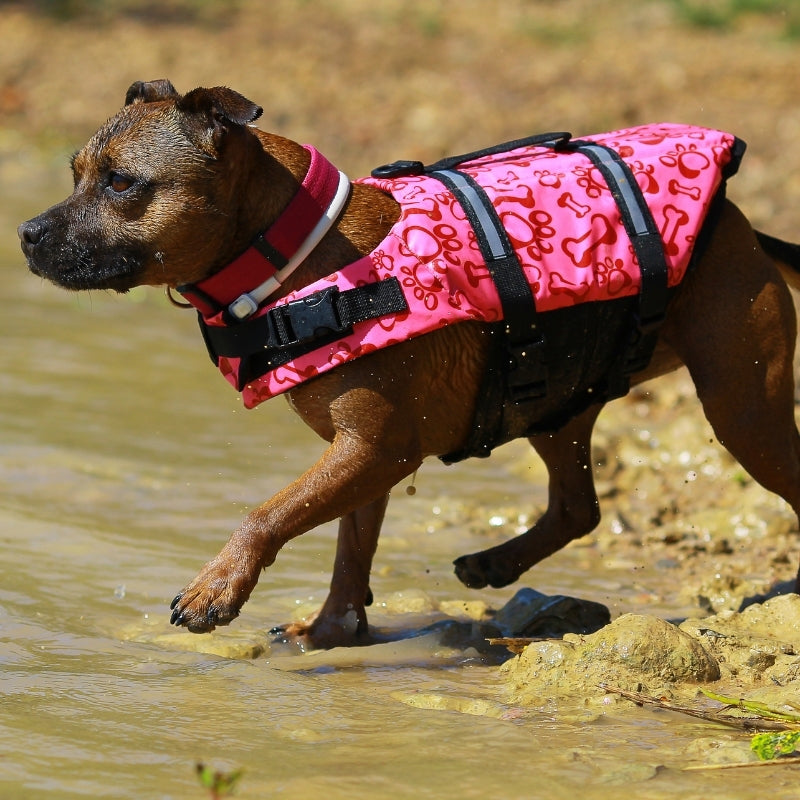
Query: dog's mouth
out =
(79, 269)
(118, 276)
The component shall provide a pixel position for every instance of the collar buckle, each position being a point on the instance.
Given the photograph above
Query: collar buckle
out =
(243, 306)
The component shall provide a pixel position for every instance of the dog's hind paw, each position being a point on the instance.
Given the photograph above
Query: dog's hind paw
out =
(480, 570)
(470, 572)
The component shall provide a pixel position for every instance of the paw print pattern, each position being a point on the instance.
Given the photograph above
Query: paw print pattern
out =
(561, 219)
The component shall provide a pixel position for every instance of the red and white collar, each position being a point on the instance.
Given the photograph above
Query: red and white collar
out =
(252, 277)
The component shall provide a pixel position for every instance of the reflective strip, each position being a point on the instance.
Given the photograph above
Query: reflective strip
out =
(488, 222)
(621, 179)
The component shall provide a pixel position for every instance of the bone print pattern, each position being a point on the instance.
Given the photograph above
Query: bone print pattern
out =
(561, 219)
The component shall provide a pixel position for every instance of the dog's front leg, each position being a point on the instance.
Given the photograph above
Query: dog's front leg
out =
(354, 472)
(342, 620)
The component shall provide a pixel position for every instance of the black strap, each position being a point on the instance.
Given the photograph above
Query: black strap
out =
(300, 326)
(270, 252)
(554, 140)
(400, 169)
(527, 376)
(639, 225)
(649, 248)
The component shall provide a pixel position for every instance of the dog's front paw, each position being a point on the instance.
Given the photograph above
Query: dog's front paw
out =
(213, 598)
(199, 616)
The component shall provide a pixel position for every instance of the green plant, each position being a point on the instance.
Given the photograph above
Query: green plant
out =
(724, 14)
(219, 784)
(771, 745)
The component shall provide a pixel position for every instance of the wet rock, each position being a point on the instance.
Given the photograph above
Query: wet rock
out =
(651, 646)
(722, 593)
(533, 614)
(609, 771)
(409, 601)
(235, 645)
(723, 749)
(439, 701)
(761, 642)
(777, 619)
(631, 651)
(471, 609)
(482, 637)
(528, 615)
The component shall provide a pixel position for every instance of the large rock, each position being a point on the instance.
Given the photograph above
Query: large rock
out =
(633, 652)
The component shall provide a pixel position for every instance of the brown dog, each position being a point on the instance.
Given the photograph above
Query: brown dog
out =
(174, 187)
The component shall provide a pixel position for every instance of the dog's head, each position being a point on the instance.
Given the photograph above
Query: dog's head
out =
(155, 193)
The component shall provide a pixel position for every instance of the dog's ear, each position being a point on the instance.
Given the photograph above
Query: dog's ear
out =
(213, 112)
(150, 92)
(220, 102)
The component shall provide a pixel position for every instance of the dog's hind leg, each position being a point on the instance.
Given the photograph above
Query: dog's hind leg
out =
(735, 330)
(572, 509)
(342, 619)
(754, 420)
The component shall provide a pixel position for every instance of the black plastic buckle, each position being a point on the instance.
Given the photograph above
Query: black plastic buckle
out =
(399, 169)
(527, 377)
(308, 318)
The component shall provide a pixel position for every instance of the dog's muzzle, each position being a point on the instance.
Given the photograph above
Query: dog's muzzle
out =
(73, 264)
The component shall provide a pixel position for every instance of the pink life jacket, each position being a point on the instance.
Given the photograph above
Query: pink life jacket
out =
(561, 217)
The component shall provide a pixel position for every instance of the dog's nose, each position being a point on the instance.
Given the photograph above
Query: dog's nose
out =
(31, 233)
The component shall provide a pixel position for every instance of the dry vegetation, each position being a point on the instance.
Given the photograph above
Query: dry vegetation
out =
(369, 82)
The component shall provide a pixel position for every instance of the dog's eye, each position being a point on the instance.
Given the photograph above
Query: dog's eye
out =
(120, 183)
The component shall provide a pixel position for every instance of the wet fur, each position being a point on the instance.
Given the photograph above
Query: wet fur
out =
(201, 183)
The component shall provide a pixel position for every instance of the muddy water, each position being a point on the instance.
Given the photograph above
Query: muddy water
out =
(125, 460)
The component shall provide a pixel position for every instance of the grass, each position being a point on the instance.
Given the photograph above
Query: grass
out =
(726, 14)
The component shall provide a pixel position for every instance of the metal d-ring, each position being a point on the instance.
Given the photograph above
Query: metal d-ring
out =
(176, 303)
